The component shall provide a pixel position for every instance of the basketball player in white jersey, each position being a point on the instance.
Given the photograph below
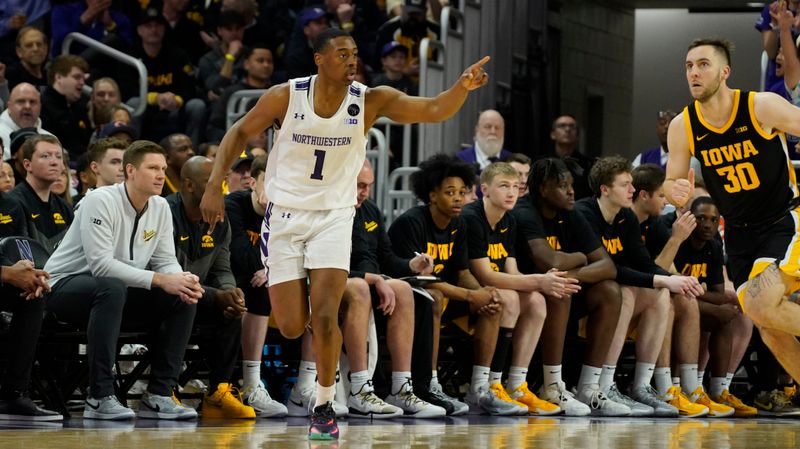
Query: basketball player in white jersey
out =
(311, 174)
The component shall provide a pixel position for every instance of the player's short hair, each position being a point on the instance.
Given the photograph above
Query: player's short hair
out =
(518, 158)
(324, 38)
(136, 152)
(498, 169)
(548, 169)
(29, 147)
(433, 171)
(605, 170)
(701, 200)
(723, 46)
(647, 178)
(97, 150)
(259, 165)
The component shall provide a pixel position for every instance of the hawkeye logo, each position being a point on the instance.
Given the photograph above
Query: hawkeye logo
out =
(253, 236)
(370, 226)
(552, 240)
(494, 267)
(58, 219)
(497, 251)
(5, 219)
(207, 241)
(613, 246)
(697, 270)
(147, 235)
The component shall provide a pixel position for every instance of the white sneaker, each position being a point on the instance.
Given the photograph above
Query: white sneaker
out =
(557, 394)
(366, 404)
(164, 407)
(107, 407)
(600, 404)
(262, 403)
(301, 403)
(637, 408)
(412, 406)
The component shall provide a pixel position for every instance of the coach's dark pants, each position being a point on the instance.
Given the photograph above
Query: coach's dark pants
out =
(22, 338)
(99, 304)
(220, 340)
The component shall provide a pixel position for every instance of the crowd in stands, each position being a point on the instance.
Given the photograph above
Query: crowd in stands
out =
(527, 255)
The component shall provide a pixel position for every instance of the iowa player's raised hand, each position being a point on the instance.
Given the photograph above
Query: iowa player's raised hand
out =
(475, 76)
(683, 189)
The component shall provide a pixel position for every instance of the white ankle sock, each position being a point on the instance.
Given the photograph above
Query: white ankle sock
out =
(607, 376)
(552, 374)
(357, 381)
(325, 394)
(495, 377)
(717, 386)
(434, 377)
(251, 373)
(590, 375)
(688, 377)
(643, 374)
(728, 380)
(663, 379)
(306, 375)
(399, 380)
(480, 378)
(517, 376)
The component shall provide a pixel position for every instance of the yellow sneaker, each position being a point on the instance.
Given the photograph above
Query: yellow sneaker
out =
(686, 408)
(226, 403)
(740, 409)
(501, 394)
(715, 410)
(535, 405)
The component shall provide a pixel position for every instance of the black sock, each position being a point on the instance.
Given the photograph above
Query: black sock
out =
(501, 350)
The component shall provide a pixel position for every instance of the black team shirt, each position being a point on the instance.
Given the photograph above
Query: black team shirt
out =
(372, 249)
(49, 219)
(415, 231)
(705, 264)
(497, 244)
(12, 217)
(567, 232)
(655, 234)
(623, 242)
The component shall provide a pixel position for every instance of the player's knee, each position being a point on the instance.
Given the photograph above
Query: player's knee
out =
(292, 330)
(606, 294)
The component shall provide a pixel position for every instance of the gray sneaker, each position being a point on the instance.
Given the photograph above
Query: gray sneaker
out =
(647, 395)
(262, 403)
(459, 408)
(164, 407)
(412, 406)
(600, 404)
(107, 407)
(301, 403)
(637, 408)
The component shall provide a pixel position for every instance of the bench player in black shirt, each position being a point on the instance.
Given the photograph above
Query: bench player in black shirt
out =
(683, 324)
(726, 331)
(646, 287)
(438, 230)
(492, 237)
(738, 137)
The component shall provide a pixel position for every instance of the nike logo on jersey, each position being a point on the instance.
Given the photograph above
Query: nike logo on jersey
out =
(502, 231)
(184, 238)
(699, 138)
(35, 216)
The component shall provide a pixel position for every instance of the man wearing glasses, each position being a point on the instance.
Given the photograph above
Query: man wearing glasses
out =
(565, 140)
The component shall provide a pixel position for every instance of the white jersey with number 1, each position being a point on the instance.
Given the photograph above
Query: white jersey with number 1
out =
(315, 161)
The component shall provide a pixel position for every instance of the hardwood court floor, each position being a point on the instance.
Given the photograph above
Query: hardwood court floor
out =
(453, 433)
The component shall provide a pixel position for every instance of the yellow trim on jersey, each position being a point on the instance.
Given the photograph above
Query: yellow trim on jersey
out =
(687, 122)
(791, 260)
(751, 110)
(789, 166)
(170, 185)
(734, 110)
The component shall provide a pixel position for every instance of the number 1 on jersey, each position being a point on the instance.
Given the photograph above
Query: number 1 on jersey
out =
(317, 174)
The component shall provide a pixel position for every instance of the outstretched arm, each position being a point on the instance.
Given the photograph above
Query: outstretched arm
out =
(774, 113)
(270, 108)
(388, 102)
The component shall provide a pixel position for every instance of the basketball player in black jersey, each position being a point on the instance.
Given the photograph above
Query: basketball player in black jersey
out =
(738, 137)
